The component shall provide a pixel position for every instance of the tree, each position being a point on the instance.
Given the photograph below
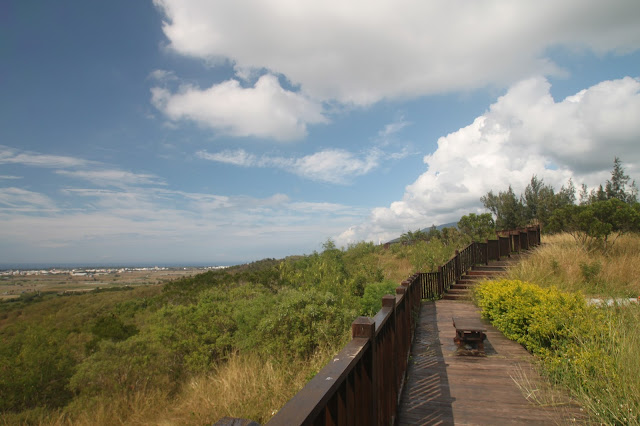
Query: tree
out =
(584, 195)
(594, 224)
(597, 195)
(478, 227)
(508, 210)
(411, 237)
(540, 200)
(617, 186)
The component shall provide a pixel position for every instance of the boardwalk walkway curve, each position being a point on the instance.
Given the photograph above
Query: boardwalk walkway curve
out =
(444, 388)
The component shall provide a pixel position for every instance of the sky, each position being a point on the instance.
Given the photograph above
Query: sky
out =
(220, 132)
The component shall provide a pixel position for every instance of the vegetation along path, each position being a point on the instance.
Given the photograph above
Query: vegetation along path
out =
(444, 387)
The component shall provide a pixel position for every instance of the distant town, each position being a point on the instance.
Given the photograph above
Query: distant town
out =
(90, 272)
(15, 282)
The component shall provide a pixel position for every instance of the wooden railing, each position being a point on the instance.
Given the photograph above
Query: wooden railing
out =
(363, 383)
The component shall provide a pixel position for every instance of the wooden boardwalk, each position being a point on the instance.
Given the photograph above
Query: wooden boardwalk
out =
(444, 388)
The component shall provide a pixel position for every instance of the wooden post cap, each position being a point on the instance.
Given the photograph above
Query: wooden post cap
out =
(388, 301)
(363, 327)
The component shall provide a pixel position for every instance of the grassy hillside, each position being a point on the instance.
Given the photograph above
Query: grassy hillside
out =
(237, 342)
(563, 263)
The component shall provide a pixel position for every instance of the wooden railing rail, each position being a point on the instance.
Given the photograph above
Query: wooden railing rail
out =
(363, 383)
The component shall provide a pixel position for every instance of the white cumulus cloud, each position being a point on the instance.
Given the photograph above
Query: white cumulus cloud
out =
(359, 52)
(264, 111)
(525, 132)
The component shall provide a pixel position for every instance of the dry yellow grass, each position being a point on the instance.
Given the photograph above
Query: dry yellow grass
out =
(395, 268)
(561, 262)
(247, 386)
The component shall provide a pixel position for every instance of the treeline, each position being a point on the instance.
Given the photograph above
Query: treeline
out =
(539, 201)
(595, 218)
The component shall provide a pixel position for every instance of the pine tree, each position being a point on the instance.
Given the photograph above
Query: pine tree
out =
(617, 186)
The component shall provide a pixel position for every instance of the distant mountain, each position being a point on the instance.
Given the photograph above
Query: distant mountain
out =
(439, 228)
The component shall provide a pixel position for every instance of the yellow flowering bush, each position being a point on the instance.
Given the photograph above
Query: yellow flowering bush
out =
(557, 326)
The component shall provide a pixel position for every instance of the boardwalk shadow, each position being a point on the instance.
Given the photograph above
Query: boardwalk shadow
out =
(426, 398)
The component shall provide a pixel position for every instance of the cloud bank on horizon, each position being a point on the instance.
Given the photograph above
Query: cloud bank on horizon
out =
(265, 127)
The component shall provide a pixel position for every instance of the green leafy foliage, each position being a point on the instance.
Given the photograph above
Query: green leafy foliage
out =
(35, 366)
(371, 301)
(536, 205)
(506, 207)
(549, 323)
(301, 321)
(593, 225)
(477, 227)
(126, 366)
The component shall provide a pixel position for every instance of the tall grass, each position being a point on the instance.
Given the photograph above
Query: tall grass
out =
(602, 369)
(562, 263)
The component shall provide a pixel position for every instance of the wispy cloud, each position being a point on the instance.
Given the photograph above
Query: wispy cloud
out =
(22, 200)
(12, 156)
(393, 128)
(331, 165)
(9, 177)
(144, 222)
(163, 76)
(112, 177)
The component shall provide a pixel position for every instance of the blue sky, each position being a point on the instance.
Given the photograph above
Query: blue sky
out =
(192, 131)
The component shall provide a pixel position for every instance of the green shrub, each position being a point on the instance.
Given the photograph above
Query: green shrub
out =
(300, 321)
(590, 271)
(131, 365)
(371, 301)
(35, 367)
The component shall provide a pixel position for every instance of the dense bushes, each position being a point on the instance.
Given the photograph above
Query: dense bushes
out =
(35, 367)
(599, 224)
(541, 319)
(371, 301)
(106, 345)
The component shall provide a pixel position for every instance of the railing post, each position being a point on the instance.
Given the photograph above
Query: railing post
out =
(440, 282)
(389, 392)
(486, 253)
(457, 266)
(365, 327)
(473, 253)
